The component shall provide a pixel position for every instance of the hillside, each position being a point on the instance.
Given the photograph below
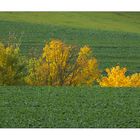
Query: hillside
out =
(114, 37)
(127, 22)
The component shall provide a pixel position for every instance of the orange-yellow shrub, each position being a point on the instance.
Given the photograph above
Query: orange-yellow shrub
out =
(116, 78)
(54, 67)
(86, 69)
(11, 65)
(135, 80)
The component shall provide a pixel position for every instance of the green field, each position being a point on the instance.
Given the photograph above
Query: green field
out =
(115, 39)
(69, 107)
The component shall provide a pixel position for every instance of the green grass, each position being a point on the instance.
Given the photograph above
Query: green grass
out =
(114, 37)
(129, 22)
(69, 107)
(110, 47)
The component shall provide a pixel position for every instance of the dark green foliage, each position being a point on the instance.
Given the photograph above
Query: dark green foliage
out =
(69, 107)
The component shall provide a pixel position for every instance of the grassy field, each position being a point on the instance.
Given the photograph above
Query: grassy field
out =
(114, 37)
(69, 107)
(111, 35)
(128, 22)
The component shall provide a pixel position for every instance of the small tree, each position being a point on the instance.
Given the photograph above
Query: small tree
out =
(61, 65)
(11, 65)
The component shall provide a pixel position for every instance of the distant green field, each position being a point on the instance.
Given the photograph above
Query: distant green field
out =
(128, 22)
(67, 107)
(115, 39)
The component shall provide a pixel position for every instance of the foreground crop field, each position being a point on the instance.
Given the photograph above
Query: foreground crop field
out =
(69, 107)
(115, 39)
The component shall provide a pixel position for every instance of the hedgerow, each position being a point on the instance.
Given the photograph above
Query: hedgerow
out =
(58, 65)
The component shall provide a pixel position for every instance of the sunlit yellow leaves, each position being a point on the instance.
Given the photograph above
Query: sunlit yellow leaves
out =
(60, 65)
(135, 80)
(55, 68)
(116, 78)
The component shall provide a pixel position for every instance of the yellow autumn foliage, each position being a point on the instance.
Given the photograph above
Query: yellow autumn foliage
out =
(86, 69)
(54, 67)
(11, 65)
(116, 78)
(135, 80)
(59, 65)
